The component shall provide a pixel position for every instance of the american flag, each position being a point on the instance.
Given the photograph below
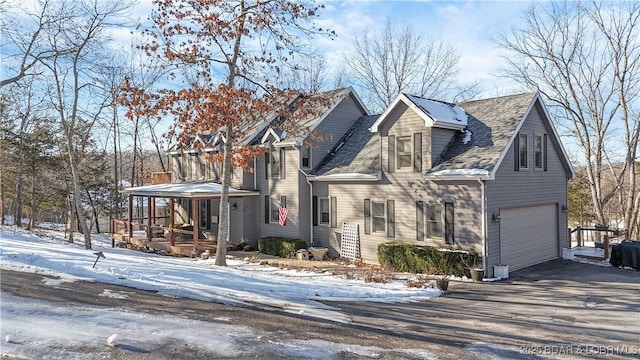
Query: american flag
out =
(282, 216)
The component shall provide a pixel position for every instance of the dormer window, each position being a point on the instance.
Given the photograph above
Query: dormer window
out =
(305, 156)
(404, 152)
(275, 161)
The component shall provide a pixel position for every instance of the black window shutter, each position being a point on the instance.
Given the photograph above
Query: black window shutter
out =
(417, 152)
(391, 219)
(392, 153)
(448, 223)
(283, 174)
(419, 220)
(516, 152)
(334, 212)
(267, 213)
(283, 201)
(544, 151)
(367, 216)
(266, 165)
(315, 210)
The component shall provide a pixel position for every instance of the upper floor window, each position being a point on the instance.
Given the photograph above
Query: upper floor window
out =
(305, 156)
(538, 159)
(523, 151)
(404, 152)
(275, 161)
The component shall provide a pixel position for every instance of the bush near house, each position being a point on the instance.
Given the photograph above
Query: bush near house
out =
(425, 259)
(281, 247)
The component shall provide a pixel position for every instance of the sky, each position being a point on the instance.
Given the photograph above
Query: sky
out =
(26, 323)
(470, 26)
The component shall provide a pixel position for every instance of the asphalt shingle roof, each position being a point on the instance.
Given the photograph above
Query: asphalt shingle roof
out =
(357, 152)
(492, 123)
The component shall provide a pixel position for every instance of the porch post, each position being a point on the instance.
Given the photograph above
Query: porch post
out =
(153, 209)
(130, 219)
(149, 218)
(195, 207)
(172, 218)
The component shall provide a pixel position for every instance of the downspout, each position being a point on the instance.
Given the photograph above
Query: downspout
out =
(255, 174)
(484, 225)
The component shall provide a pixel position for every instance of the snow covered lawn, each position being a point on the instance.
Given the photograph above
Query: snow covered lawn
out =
(241, 283)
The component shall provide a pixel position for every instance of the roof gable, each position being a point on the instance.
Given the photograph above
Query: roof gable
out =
(434, 113)
(492, 127)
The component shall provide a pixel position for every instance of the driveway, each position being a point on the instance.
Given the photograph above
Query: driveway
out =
(559, 309)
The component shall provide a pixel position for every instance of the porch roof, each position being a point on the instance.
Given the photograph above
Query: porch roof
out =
(200, 189)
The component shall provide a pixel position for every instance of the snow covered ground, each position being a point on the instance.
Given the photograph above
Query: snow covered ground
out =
(29, 322)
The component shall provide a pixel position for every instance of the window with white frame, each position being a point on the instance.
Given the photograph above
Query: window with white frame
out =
(434, 221)
(538, 158)
(274, 153)
(403, 152)
(378, 216)
(305, 156)
(275, 206)
(324, 211)
(523, 151)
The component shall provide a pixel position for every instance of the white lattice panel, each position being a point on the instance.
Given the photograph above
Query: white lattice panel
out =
(350, 242)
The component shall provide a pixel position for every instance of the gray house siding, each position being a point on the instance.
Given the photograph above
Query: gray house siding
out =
(439, 140)
(276, 188)
(528, 187)
(405, 191)
(405, 187)
(334, 126)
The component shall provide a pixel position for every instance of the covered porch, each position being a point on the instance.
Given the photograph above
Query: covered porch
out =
(188, 226)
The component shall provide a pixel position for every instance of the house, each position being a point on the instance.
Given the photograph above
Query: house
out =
(486, 175)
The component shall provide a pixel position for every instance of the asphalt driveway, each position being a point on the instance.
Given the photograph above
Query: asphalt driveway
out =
(560, 309)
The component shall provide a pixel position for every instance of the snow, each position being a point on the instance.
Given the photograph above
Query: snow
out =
(467, 136)
(344, 176)
(240, 283)
(184, 189)
(470, 172)
(90, 332)
(441, 112)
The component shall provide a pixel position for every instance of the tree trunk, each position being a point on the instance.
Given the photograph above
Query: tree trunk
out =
(17, 213)
(223, 224)
(77, 193)
(34, 206)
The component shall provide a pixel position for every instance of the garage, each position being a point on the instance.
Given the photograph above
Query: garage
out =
(528, 235)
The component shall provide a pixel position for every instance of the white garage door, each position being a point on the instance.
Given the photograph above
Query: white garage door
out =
(528, 235)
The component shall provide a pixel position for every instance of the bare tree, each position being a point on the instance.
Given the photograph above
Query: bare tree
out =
(394, 60)
(26, 42)
(584, 58)
(79, 26)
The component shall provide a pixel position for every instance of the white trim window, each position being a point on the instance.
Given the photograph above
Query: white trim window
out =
(324, 211)
(378, 216)
(403, 152)
(538, 158)
(523, 151)
(434, 221)
(305, 156)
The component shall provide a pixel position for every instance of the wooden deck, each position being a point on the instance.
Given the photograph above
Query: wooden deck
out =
(183, 242)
